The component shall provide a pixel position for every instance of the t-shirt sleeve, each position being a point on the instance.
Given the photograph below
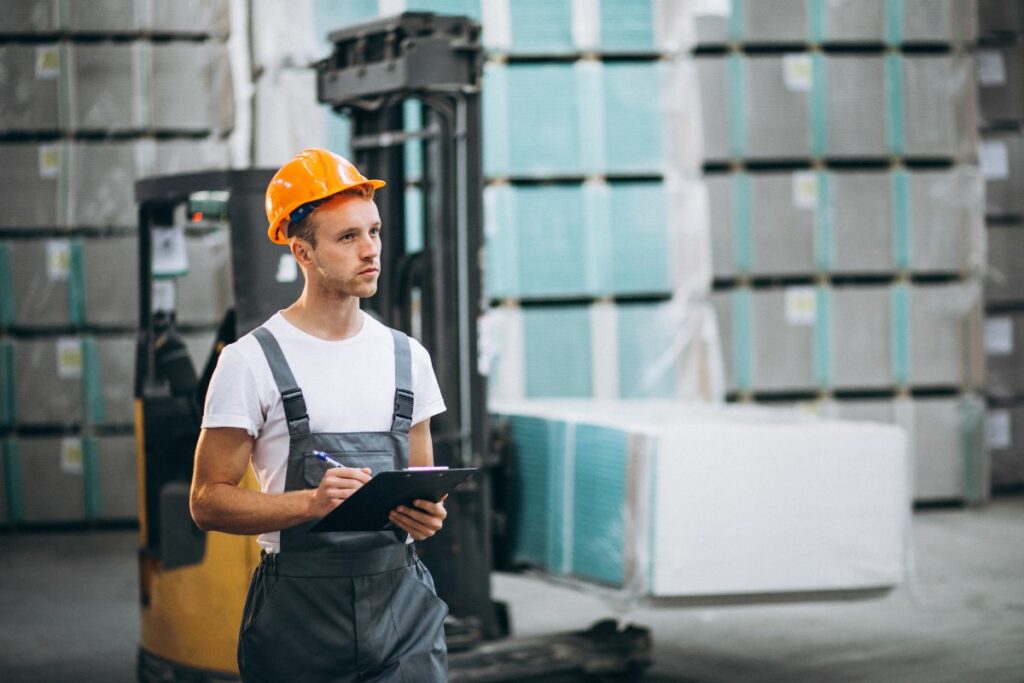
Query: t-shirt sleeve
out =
(233, 399)
(428, 399)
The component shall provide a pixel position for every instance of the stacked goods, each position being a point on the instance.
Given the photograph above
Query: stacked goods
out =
(846, 207)
(1000, 77)
(663, 500)
(591, 210)
(94, 95)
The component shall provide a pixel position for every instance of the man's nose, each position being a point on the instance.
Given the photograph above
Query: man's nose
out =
(369, 248)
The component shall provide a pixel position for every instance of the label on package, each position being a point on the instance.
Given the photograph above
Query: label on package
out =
(170, 252)
(805, 190)
(164, 296)
(801, 306)
(998, 433)
(287, 269)
(47, 62)
(798, 72)
(69, 358)
(71, 455)
(49, 161)
(999, 336)
(58, 260)
(994, 160)
(714, 8)
(991, 67)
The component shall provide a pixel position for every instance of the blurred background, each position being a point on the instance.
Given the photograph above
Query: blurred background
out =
(814, 206)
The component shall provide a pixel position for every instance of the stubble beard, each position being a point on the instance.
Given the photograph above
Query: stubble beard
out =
(335, 288)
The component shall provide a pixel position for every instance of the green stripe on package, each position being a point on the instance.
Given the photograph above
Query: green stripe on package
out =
(736, 17)
(91, 477)
(92, 382)
(894, 14)
(742, 341)
(742, 239)
(815, 21)
(899, 333)
(824, 245)
(901, 223)
(823, 337)
(971, 415)
(818, 105)
(735, 74)
(76, 284)
(6, 288)
(12, 474)
(6, 383)
(894, 102)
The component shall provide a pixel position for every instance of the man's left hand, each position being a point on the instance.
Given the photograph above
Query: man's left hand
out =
(421, 521)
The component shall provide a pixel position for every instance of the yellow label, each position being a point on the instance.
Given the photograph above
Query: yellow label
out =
(49, 161)
(58, 260)
(71, 455)
(47, 62)
(69, 358)
(801, 306)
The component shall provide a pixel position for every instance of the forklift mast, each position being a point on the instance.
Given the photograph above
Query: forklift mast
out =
(434, 293)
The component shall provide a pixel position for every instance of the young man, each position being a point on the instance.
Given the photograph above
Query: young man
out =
(322, 376)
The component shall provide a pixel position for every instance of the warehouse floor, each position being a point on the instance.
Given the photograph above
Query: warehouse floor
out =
(68, 612)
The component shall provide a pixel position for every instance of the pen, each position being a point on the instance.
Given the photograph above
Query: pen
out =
(327, 459)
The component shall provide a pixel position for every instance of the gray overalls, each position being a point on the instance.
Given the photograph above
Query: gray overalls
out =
(342, 606)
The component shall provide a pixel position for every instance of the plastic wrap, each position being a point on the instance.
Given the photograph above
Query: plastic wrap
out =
(602, 350)
(48, 381)
(661, 501)
(847, 222)
(57, 479)
(1004, 436)
(199, 70)
(1000, 77)
(1004, 354)
(946, 440)
(854, 106)
(859, 338)
(1001, 160)
(1004, 281)
(892, 22)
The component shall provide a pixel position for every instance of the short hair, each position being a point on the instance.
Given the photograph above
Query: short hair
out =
(305, 228)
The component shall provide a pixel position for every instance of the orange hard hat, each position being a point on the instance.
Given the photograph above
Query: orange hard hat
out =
(314, 174)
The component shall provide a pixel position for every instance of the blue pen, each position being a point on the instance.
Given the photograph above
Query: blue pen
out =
(327, 459)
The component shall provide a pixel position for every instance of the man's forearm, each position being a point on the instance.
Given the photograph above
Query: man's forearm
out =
(233, 510)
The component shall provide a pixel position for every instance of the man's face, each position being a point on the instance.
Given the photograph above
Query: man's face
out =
(346, 260)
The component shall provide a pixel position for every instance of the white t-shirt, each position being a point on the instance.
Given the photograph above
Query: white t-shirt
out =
(348, 386)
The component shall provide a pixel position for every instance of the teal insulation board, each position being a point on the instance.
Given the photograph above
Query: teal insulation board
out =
(557, 352)
(541, 26)
(627, 26)
(599, 465)
(539, 483)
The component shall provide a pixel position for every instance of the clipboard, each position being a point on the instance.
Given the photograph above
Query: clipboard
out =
(368, 508)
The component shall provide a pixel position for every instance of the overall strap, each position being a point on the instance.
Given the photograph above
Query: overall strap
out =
(404, 399)
(291, 395)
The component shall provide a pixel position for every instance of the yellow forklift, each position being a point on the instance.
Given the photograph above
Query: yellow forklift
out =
(193, 583)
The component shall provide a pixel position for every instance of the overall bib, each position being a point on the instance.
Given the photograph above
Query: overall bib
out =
(342, 606)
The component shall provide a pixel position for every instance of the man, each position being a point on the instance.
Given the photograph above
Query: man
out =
(322, 376)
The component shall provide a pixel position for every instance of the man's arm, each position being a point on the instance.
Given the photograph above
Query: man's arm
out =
(217, 504)
(427, 520)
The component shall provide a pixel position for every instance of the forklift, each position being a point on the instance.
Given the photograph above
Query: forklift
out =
(193, 583)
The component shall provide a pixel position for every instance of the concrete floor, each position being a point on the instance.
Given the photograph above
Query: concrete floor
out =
(68, 612)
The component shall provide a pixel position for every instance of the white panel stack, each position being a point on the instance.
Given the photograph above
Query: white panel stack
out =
(1000, 78)
(93, 96)
(687, 502)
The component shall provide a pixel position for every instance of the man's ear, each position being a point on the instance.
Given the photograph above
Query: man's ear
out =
(301, 251)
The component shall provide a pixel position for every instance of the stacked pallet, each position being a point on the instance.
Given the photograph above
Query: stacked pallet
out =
(1000, 76)
(846, 203)
(657, 500)
(92, 97)
(584, 210)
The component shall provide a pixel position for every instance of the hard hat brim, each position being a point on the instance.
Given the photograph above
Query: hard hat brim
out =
(277, 232)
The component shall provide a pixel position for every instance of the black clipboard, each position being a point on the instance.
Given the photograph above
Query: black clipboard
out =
(368, 508)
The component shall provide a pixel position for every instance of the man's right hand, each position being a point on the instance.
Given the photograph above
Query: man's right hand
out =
(337, 485)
